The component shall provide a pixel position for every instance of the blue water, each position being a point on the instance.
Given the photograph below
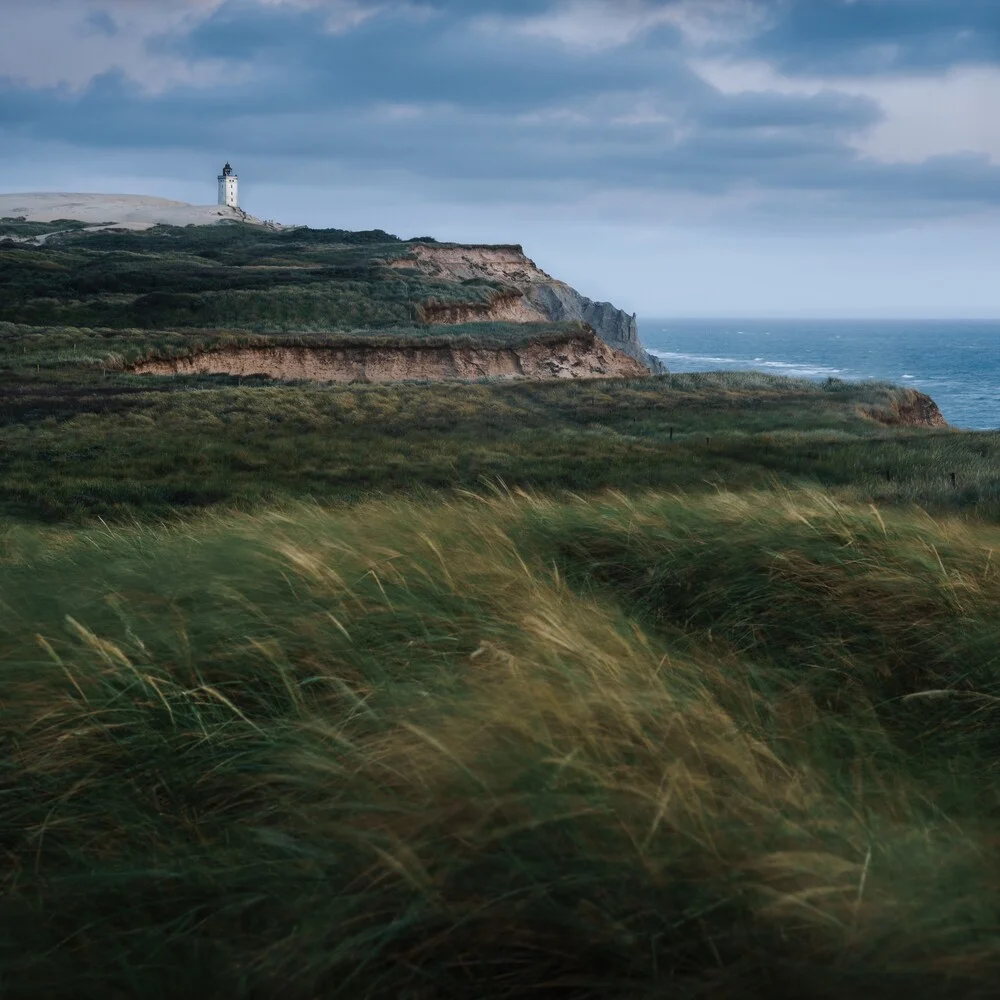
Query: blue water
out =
(956, 362)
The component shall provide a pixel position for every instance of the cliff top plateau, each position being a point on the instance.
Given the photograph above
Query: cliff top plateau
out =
(129, 263)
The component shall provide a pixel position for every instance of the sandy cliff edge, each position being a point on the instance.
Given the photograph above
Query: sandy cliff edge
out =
(532, 295)
(529, 295)
(581, 356)
(911, 409)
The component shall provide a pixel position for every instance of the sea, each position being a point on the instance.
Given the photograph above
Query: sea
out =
(955, 362)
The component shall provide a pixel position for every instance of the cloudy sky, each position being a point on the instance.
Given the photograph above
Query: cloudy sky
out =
(678, 157)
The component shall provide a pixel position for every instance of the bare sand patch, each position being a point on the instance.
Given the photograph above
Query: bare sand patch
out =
(124, 211)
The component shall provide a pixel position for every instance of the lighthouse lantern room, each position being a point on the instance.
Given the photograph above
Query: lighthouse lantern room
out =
(229, 188)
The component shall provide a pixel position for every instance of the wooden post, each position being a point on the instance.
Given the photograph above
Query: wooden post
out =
(952, 474)
(671, 433)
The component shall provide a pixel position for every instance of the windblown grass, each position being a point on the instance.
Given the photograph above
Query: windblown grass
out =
(700, 699)
(715, 745)
(150, 447)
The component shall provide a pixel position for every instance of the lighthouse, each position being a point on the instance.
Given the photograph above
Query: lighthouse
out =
(229, 188)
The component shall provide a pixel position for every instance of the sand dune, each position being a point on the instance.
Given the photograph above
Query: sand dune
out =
(122, 210)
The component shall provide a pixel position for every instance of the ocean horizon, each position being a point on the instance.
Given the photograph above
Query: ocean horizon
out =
(956, 362)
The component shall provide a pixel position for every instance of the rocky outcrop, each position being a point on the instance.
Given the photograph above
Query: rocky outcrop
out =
(542, 297)
(615, 327)
(578, 356)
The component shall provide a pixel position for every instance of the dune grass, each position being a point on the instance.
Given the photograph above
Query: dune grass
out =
(679, 686)
(238, 277)
(717, 745)
(147, 447)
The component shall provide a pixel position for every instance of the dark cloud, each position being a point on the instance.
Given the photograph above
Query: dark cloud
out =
(398, 56)
(879, 37)
(102, 23)
(442, 97)
(829, 110)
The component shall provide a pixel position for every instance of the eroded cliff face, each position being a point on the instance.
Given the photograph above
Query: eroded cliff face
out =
(505, 307)
(529, 295)
(583, 356)
(614, 326)
(912, 409)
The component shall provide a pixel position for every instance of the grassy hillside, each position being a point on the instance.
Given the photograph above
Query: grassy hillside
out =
(678, 686)
(121, 449)
(207, 277)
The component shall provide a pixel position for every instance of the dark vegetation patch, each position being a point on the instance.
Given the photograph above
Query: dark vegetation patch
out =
(244, 442)
(20, 228)
(236, 276)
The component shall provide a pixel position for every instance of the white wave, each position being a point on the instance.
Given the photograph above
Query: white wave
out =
(803, 367)
(798, 369)
(674, 356)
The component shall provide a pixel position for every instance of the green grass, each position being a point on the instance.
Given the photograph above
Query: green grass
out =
(146, 447)
(678, 686)
(626, 747)
(15, 228)
(208, 277)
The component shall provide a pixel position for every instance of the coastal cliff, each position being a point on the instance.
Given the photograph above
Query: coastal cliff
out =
(523, 293)
(231, 272)
(559, 302)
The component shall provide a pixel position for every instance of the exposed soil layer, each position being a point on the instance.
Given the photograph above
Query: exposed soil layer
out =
(914, 409)
(505, 308)
(466, 263)
(576, 357)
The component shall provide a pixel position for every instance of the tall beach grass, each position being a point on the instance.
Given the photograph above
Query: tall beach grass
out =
(503, 745)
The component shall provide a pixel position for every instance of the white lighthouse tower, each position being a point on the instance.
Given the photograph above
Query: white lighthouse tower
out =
(229, 188)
